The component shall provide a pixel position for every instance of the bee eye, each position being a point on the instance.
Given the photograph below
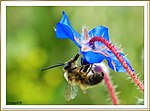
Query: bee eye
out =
(67, 66)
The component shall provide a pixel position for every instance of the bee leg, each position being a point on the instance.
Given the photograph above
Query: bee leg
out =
(91, 65)
(83, 62)
(81, 69)
(86, 68)
(76, 57)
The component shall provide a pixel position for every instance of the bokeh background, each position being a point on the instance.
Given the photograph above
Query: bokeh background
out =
(32, 45)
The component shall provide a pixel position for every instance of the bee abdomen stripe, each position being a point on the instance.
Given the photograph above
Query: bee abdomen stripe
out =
(94, 79)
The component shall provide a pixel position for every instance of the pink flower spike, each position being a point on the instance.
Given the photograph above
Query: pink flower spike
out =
(110, 89)
(100, 67)
(120, 58)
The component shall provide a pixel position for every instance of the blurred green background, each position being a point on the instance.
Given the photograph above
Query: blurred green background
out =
(32, 45)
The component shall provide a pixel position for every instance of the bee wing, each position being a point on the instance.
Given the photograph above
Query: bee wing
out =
(70, 92)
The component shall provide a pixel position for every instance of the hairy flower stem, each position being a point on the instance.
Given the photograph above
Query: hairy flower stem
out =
(120, 58)
(108, 83)
(110, 89)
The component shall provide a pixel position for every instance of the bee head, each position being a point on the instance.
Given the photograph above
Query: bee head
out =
(72, 63)
(69, 65)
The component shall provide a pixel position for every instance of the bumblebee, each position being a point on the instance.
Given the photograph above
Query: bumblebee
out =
(83, 76)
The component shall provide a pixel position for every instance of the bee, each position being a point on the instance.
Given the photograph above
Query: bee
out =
(83, 76)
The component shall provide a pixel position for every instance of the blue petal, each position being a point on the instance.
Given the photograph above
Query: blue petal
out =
(99, 31)
(92, 57)
(115, 64)
(65, 30)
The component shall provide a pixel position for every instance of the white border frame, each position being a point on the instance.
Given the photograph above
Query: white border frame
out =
(71, 3)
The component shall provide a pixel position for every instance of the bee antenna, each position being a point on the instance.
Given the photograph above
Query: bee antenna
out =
(53, 66)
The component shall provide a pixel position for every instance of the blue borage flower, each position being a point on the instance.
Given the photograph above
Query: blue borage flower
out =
(92, 53)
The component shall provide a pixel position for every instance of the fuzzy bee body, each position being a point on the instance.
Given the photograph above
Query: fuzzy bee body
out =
(76, 77)
(85, 76)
